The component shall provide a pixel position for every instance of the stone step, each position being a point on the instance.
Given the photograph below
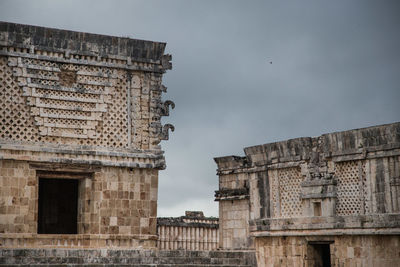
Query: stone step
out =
(125, 265)
(136, 258)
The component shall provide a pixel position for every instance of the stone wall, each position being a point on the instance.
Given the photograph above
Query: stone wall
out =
(125, 257)
(193, 231)
(234, 205)
(351, 176)
(117, 208)
(365, 250)
(82, 107)
(330, 188)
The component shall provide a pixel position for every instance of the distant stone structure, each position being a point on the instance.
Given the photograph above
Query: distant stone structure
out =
(193, 231)
(80, 118)
(332, 200)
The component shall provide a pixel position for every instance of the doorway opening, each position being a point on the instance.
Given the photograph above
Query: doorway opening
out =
(58, 206)
(320, 254)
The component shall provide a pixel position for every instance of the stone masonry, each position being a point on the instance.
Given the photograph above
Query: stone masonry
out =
(80, 127)
(332, 200)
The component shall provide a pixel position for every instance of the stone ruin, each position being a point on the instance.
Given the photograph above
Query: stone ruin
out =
(193, 231)
(332, 200)
(80, 132)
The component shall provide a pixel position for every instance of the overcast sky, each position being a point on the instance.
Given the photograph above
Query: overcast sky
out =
(335, 66)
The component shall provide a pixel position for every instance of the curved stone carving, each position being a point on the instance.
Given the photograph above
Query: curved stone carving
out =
(166, 62)
(165, 107)
(164, 133)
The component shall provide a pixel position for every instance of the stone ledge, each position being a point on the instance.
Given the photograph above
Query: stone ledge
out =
(232, 194)
(83, 155)
(230, 163)
(345, 223)
(325, 232)
(26, 240)
(125, 257)
(135, 67)
(318, 182)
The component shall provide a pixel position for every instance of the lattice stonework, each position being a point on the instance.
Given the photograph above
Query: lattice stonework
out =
(348, 188)
(15, 120)
(63, 103)
(65, 100)
(289, 180)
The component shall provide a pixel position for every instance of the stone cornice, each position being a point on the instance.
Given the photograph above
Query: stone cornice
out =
(13, 34)
(83, 155)
(137, 65)
(329, 225)
(232, 194)
(330, 232)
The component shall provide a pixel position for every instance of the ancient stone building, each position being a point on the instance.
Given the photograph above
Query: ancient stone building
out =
(80, 132)
(79, 138)
(332, 200)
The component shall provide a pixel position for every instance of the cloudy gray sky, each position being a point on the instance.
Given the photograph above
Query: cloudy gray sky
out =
(335, 66)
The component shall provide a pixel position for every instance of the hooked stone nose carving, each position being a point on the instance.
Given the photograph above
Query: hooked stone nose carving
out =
(166, 62)
(164, 133)
(165, 107)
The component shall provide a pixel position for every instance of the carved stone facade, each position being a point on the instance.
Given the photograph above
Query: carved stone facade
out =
(332, 200)
(80, 127)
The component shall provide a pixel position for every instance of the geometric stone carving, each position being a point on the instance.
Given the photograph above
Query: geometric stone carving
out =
(64, 101)
(349, 188)
(289, 180)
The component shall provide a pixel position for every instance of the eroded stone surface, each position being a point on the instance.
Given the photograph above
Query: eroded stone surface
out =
(331, 189)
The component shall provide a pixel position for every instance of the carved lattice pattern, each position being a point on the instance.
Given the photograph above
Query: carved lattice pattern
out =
(348, 188)
(289, 189)
(92, 111)
(15, 120)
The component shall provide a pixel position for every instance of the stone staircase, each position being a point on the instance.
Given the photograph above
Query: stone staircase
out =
(125, 258)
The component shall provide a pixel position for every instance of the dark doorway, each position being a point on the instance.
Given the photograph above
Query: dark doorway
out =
(58, 206)
(321, 254)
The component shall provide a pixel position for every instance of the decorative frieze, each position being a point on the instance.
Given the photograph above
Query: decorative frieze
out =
(190, 232)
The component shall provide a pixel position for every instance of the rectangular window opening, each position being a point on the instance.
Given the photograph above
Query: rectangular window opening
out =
(58, 206)
(317, 209)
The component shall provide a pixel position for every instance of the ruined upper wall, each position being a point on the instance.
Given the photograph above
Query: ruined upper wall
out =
(89, 44)
(92, 96)
(344, 180)
(352, 142)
